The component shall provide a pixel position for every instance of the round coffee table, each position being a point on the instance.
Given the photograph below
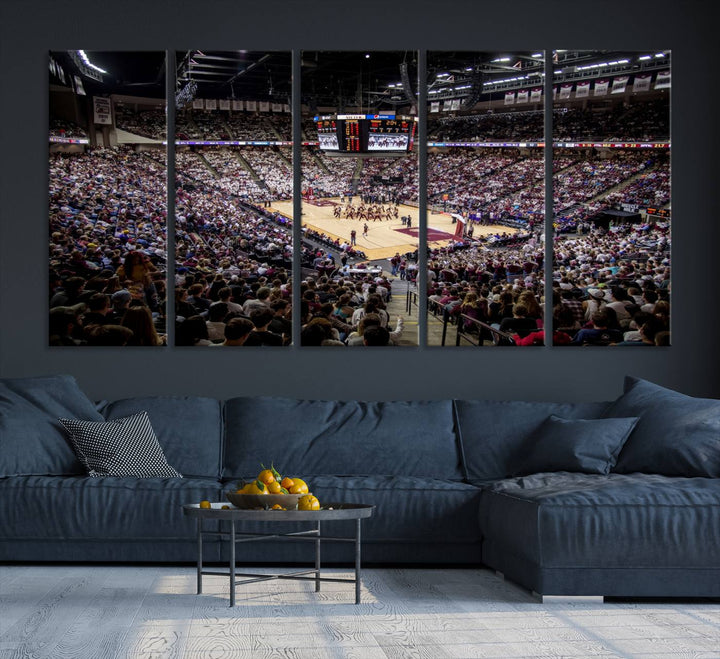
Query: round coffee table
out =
(329, 513)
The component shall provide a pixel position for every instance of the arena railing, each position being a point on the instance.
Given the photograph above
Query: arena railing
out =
(475, 338)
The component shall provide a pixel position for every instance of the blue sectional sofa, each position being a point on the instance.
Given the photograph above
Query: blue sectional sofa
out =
(610, 498)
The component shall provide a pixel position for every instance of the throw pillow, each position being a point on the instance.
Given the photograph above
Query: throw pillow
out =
(677, 435)
(121, 447)
(589, 446)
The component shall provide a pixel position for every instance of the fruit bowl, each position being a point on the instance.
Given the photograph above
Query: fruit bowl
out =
(250, 501)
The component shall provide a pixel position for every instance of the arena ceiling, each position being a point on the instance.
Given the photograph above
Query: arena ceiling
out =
(369, 79)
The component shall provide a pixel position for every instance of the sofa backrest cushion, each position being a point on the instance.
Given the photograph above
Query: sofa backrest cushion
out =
(32, 440)
(677, 435)
(308, 438)
(493, 434)
(588, 446)
(188, 428)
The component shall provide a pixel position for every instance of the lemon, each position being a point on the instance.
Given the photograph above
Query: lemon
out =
(205, 504)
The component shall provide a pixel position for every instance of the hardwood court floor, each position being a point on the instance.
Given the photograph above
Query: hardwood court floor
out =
(96, 612)
(383, 240)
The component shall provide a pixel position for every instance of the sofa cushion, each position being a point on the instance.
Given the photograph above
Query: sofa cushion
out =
(121, 447)
(677, 435)
(308, 438)
(32, 440)
(590, 446)
(102, 509)
(493, 434)
(189, 429)
(565, 520)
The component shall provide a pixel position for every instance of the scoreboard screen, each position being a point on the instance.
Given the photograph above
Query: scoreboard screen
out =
(366, 133)
(388, 135)
(327, 135)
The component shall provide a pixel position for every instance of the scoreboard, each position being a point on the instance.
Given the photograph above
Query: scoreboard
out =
(366, 133)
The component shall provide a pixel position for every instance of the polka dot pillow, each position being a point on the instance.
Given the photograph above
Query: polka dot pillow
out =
(121, 447)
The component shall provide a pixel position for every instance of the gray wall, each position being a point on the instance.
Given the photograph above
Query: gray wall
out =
(32, 27)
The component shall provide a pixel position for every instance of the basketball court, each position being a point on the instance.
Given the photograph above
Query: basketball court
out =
(384, 237)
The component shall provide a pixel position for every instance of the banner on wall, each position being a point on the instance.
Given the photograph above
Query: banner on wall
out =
(286, 107)
(509, 98)
(447, 105)
(264, 106)
(663, 80)
(80, 90)
(435, 106)
(601, 87)
(224, 104)
(582, 90)
(102, 112)
(536, 95)
(619, 84)
(198, 104)
(456, 104)
(565, 90)
(237, 105)
(251, 106)
(211, 104)
(555, 93)
(642, 82)
(523, 96)
(277, 107)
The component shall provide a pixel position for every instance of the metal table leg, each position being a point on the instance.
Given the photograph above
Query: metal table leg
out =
(232, 562)
(317, 560)
(357, 561)
(200, 556)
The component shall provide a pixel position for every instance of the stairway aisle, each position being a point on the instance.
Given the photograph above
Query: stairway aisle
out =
(397, 307)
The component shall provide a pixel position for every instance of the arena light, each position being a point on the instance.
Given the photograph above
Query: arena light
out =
(536, 55)
(660, 55)
(88, 63)
(644, 57)
(501, 59)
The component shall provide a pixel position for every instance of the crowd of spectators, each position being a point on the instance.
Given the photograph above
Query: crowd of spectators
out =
(148, 123)
(260, 127)
(327, 176)
(643, 121)
(610, 287)
(393, 180)
(107, 248)
(67, 129)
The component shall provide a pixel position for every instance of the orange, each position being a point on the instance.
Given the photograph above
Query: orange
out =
(205, 504)
(299, 487)
(256, 487)
(308, 502)
(274, 487)
(266, 476)
(277, 506)
(287, 483)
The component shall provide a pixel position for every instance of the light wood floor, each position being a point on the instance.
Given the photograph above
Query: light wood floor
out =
(382, 240)
(93, 612)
